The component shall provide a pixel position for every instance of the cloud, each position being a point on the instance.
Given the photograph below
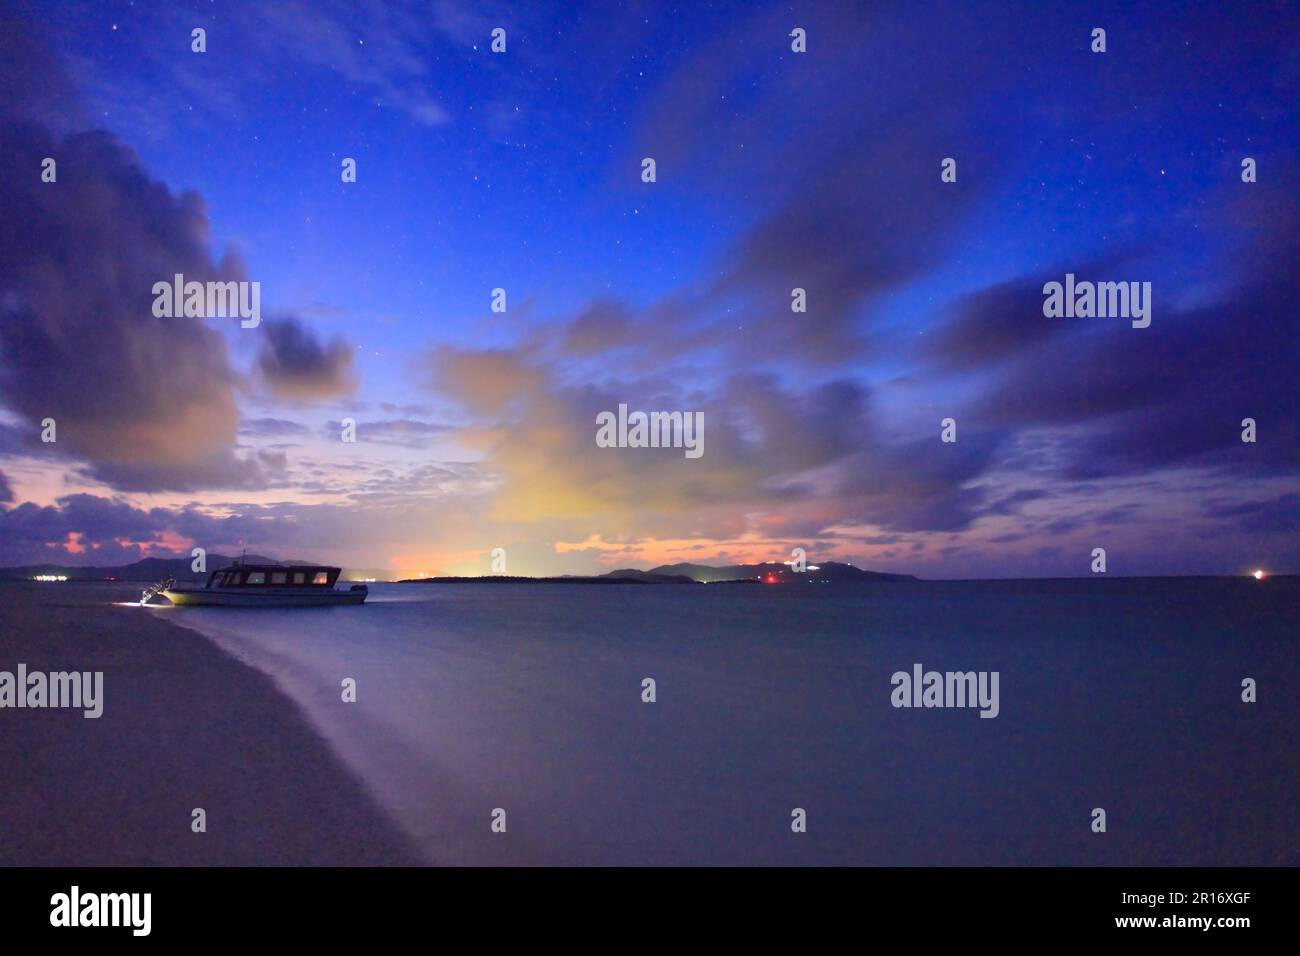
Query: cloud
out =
(385, 51)
(488, 381)
(1174, 394)
(77, 526)
(147, 402)
(273, 428)
(385, 48)
(400, 519)
(403, 432)
(920, 484)
(601, 326)
(6, 492)
(993, 324)
(93, 529)
(295, 365)
(1011, 504)
(820, 241)
(849, 204)
(1277, 515)
(139, 402)
(391, 408)
(802, 458)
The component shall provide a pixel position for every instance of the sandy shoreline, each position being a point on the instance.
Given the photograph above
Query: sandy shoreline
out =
(184, 726)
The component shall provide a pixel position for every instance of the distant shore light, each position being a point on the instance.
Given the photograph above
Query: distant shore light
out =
(1258, 575)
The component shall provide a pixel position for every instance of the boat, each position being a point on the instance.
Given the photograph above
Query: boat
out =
(263, 585)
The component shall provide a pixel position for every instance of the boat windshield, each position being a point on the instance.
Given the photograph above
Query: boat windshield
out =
(274, 577)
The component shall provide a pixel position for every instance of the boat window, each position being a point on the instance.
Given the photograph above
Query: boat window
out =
(299, 577)
(228, 579)
(255, 577)
(322, 577)
(278, 577)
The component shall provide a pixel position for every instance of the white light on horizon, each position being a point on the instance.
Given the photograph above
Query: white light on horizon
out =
(1258, 575)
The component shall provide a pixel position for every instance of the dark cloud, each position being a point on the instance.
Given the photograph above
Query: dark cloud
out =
(92, 529)
(1175, 393)
(1061, 526)
(147, 402)
(77, 527)
(297, 366)
(1005, 321)
(143, 403)
(852, 209)
(6, 492)
(846, 245)
(996, 323)
(921, 484)
(1012, 503)
(1277, 515)
(1119, 515)
(601, 326)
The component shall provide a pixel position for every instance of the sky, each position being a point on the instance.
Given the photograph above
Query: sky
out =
(522, 170)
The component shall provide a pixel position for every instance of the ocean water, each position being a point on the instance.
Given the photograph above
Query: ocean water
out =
(1117, 694)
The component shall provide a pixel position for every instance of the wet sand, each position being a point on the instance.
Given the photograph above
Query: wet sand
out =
(184, 726)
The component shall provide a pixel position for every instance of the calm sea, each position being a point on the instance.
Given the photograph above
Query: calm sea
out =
(1121, 694)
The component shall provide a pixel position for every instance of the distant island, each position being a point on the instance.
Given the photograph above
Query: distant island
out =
(770, 572)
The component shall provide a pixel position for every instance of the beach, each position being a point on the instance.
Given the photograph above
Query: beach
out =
(184, 726)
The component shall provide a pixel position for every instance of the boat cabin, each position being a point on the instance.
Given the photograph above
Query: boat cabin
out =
(273, 576)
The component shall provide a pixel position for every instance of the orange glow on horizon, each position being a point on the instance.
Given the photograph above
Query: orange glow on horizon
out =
(651, 552)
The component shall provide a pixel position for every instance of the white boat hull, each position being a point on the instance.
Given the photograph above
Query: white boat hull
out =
(264, 597)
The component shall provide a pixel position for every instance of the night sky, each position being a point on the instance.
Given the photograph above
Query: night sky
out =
(775, 170)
